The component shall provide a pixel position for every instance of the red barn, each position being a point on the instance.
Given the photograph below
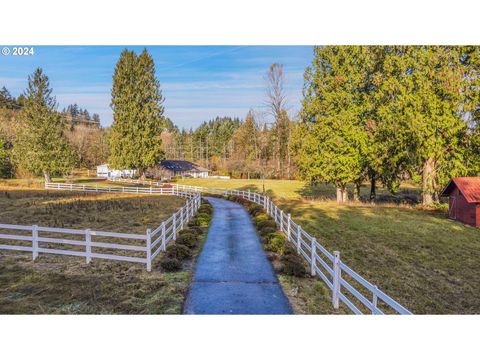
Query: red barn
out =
(464, 203)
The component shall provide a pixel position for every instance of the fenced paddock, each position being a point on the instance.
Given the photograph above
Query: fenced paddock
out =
(95, 244)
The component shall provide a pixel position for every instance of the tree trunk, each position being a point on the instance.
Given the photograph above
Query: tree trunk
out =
(428, 182)
(373, 188)
(356, 192)
(141, 172)
(46, 175)
(342, 195)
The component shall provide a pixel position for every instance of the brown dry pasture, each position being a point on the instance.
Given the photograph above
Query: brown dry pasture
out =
(66, 285)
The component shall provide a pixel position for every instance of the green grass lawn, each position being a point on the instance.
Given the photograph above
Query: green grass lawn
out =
(428, 263)
(64, 284)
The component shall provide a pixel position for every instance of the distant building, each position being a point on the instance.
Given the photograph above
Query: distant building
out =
(172, 168)
(104, 171)
(464, 202)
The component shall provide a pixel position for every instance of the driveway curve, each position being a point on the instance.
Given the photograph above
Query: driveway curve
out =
(233, 274)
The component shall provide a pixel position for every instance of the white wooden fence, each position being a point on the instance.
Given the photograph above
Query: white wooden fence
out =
(33, 237)
(326, 265)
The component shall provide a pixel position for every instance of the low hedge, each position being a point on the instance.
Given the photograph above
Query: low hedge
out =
(178, 251)
(277, 243)
(170, 264)
(203, 219)
(189, 239)
(293, 265)
(266, 223)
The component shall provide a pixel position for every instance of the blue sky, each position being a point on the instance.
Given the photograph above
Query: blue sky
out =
(198, 82)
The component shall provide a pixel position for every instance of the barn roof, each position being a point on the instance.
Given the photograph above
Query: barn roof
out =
(468, 186)
(181, 165)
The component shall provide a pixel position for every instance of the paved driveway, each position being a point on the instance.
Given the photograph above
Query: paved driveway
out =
(233, 275)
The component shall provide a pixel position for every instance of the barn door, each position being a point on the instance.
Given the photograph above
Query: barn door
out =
(452, 212)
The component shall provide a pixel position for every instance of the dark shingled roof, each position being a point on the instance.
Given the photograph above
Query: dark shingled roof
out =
(181, 165)
(468, 186)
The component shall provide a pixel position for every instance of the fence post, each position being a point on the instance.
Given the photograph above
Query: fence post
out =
(281, 220)
(248, 195)
(336, 280)
(96, 187)
(374, 300)
(289, 227)
(34, 241)
(312, 257)
(88, 246)
(181, 218)
(164, 237)
(299, 237)
(149, 250)
(174, 221)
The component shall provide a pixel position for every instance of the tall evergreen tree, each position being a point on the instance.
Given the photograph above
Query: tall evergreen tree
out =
(6, 168)
(41, 146)
(423, 110)
(137, 103)
(332, 137)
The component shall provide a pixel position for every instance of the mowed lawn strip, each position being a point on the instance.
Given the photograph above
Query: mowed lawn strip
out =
(64, 284)
(419, 257)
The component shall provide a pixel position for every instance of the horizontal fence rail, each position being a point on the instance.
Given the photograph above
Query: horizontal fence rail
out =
(34, 237)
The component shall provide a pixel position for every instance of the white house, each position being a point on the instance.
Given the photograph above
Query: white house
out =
(171, 168)
(104, 171)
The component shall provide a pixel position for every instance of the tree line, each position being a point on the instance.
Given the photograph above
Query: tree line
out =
(250, 148)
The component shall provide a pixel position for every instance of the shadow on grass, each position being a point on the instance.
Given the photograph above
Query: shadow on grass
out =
(328, 192)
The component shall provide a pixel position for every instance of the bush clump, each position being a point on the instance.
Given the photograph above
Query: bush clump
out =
(205, 210)
(260, 217)
(170, 264)
(293, 265)
(187, 239)
(203, 219)
(193, 223)
(179, 252)
(277, 243)
(197, 230)
(255, 209)
(266, 223)
(186, 231)
(267, 231)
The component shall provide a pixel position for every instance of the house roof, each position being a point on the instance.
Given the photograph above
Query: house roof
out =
(181, 165)
(468, 186)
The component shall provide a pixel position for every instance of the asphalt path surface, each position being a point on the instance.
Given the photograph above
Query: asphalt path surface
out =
(233, 274)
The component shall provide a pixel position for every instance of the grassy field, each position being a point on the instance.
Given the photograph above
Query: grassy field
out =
(62, 284)
(295, 189)
(418, 256)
